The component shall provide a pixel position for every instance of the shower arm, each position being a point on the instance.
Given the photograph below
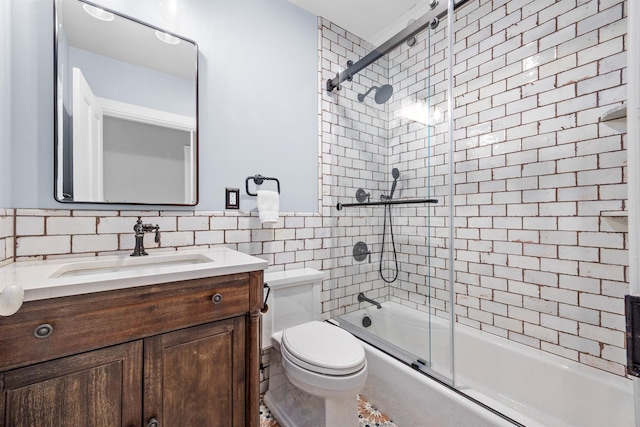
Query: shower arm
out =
(362, 96)
(437, 12)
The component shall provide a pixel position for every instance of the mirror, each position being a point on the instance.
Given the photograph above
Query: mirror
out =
(126, 128)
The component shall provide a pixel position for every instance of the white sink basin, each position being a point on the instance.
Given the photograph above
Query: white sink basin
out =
(85, 268)
(43, 279)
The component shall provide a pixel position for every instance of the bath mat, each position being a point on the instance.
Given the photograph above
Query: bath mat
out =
(368, 416)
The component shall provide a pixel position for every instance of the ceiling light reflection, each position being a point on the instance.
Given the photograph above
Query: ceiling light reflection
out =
(419, 112)
(98, 13)
(167, 38)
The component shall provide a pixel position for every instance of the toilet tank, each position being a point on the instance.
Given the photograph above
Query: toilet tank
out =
(294, 299)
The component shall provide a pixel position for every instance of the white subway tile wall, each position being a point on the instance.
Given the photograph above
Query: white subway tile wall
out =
(354, 155)
(535, 261)
(558, 67)
(534, 167)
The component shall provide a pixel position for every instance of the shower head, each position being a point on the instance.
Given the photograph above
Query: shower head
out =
(383, 93)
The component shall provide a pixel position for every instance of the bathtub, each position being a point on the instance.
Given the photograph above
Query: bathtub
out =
(498, 382)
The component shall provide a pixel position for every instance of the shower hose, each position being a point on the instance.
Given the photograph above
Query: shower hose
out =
(393, 245)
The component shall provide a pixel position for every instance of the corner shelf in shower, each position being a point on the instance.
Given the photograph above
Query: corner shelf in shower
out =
(616, 113)
(339, 206)
(614, 214)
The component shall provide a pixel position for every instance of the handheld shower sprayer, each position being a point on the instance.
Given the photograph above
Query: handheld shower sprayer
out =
(396, 174)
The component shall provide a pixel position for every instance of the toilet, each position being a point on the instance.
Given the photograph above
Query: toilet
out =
(316, 368)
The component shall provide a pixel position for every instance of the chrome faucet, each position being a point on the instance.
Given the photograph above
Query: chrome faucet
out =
(140, 229)
(362, 298)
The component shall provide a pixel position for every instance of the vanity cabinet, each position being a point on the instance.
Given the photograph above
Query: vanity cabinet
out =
(176, 354)
(97, 388)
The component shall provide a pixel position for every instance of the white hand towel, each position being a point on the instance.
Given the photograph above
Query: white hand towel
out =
(268, 206)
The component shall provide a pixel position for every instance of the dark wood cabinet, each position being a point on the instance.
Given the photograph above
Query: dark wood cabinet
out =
(205, 363)
(97, 388)
(177, 354)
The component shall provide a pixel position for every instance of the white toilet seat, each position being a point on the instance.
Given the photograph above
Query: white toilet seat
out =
(323, 348)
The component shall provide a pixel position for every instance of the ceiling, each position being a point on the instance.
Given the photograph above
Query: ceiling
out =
(373, 20)
(126, 40)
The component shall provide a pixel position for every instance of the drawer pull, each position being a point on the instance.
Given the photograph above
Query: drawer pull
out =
(153, 423)
(217, 298)
(43, 331)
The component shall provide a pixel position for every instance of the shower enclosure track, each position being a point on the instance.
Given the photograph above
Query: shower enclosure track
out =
(339, 206)
(437, 12)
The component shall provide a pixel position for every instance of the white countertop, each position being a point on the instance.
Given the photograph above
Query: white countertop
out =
(73, 276)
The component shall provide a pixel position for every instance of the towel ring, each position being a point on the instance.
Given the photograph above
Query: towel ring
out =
(258, 180)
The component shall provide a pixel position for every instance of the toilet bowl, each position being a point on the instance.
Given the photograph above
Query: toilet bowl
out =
(323, 360)
(316, 369)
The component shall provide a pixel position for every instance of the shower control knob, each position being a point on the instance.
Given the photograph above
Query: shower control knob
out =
(360, 252)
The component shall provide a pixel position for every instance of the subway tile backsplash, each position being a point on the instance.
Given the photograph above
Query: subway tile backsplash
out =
(296, 241)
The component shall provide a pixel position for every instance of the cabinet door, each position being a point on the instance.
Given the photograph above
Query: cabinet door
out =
(196, 376)
(98, 388)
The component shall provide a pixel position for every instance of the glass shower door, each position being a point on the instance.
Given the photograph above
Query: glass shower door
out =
(418, 146)
(384, 154)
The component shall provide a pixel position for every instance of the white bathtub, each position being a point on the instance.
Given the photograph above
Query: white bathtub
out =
(532, 387)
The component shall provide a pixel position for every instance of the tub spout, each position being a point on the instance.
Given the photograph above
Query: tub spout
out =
(362, 297)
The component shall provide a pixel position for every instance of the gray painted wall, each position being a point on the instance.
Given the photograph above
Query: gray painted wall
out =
(140, 87)
(258, 97)
(5, 106)
(142, 158)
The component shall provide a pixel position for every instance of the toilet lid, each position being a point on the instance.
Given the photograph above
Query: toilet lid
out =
(323, 348)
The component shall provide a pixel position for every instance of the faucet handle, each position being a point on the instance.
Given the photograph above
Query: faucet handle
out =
(157, 238)
(138, 225)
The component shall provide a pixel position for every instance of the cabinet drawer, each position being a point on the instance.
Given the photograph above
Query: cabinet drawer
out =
(86, 322)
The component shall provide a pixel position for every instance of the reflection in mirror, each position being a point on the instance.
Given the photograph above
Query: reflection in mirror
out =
(126, 110)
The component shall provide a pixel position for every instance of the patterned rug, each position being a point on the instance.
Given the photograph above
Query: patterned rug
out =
(368, 416)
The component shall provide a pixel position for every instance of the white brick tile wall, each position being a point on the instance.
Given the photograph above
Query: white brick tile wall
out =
(37, 246)
(94, 243)
(70, 225)
(193, 223)
(210, 237)
(571, 71)
(30, 226)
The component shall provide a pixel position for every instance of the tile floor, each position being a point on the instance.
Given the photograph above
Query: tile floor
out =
(368, 416)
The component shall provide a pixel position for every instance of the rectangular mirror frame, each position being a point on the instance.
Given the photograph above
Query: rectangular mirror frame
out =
(59, 125)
